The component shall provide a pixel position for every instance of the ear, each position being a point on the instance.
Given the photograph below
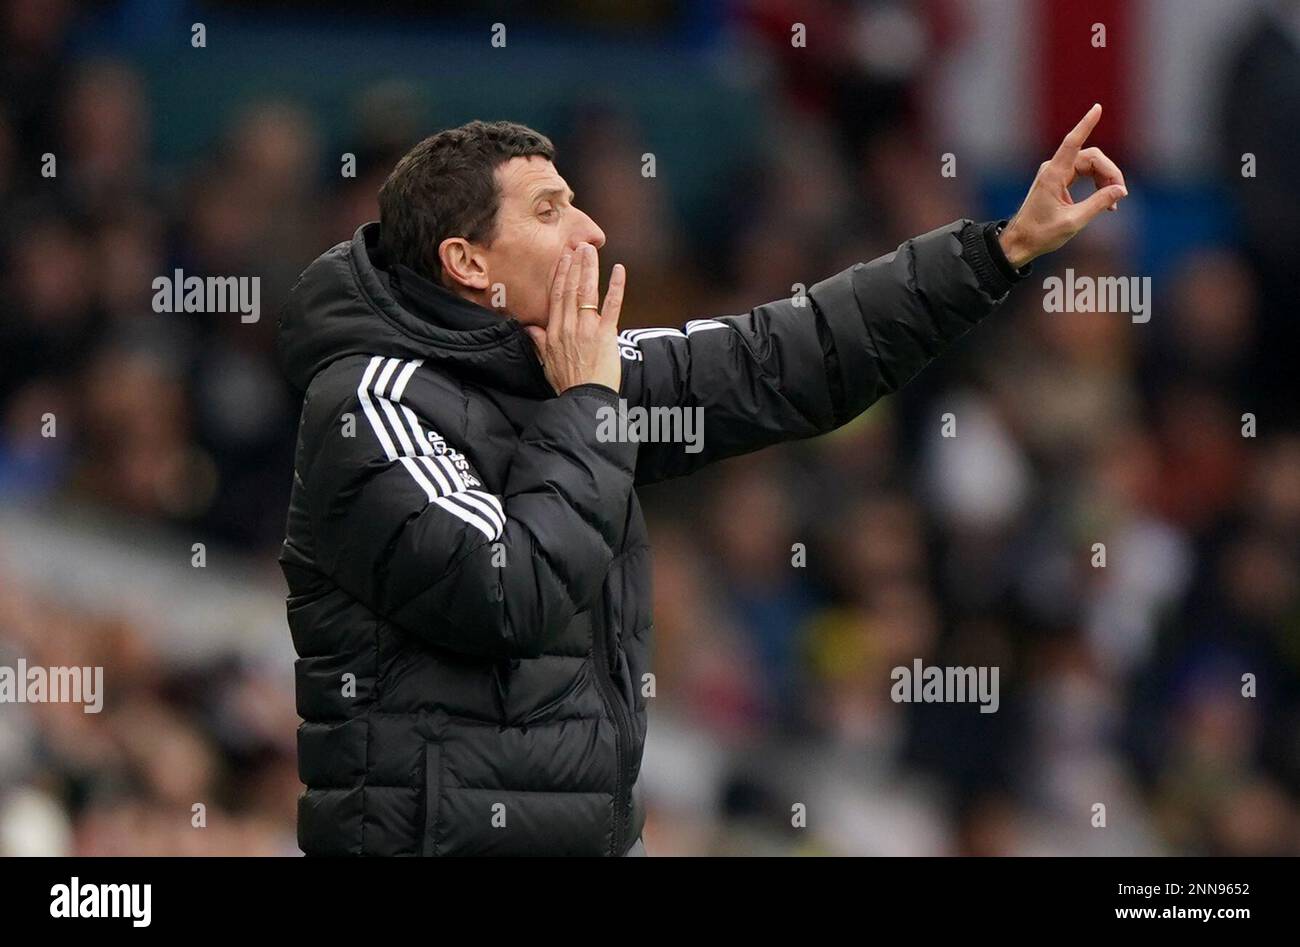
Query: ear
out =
(463, 264)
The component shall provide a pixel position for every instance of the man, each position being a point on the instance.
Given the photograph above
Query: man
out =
(468, 569)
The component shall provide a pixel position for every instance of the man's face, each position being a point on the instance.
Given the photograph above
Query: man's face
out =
(536, 222)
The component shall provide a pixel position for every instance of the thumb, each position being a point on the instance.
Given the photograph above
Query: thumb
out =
(538, 335)
(1102, 199)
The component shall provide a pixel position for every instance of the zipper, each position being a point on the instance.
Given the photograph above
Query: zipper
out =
(623, 736)
(535, 361)
(501, 670)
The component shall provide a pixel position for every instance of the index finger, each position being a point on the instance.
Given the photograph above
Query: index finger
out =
(556, 317)
(1070, 145)
(589, 281)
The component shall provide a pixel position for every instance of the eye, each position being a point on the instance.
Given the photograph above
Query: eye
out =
(548, 212)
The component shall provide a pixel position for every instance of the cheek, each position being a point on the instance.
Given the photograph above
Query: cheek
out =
(529, 283)
(534, 298)
(551, 263)
(542, 280)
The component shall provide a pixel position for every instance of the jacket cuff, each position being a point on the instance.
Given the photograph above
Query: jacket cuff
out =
(983, 253)
(606, 393)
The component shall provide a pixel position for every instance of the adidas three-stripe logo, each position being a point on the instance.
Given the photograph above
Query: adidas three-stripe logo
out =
(404, 441)
(637, 336)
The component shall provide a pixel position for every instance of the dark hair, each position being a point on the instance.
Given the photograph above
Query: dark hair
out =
(446, 187)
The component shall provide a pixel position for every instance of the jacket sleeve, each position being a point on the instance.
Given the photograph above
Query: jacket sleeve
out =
(403, 521)
(803, 366)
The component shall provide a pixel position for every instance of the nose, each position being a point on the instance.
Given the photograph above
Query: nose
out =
(587, 231)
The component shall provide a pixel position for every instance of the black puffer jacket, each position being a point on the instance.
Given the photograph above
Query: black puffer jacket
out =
(468, 569)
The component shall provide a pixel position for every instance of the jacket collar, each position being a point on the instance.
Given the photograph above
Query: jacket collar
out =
(343, 304)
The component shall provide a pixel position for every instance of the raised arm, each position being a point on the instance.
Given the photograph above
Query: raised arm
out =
(802, 366)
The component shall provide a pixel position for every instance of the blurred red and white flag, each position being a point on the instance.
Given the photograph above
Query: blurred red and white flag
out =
(1007, 84)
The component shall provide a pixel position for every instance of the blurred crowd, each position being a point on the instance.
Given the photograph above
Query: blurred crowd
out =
(788, 583)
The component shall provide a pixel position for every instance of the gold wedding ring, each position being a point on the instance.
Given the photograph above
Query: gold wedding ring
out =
(589, 306)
